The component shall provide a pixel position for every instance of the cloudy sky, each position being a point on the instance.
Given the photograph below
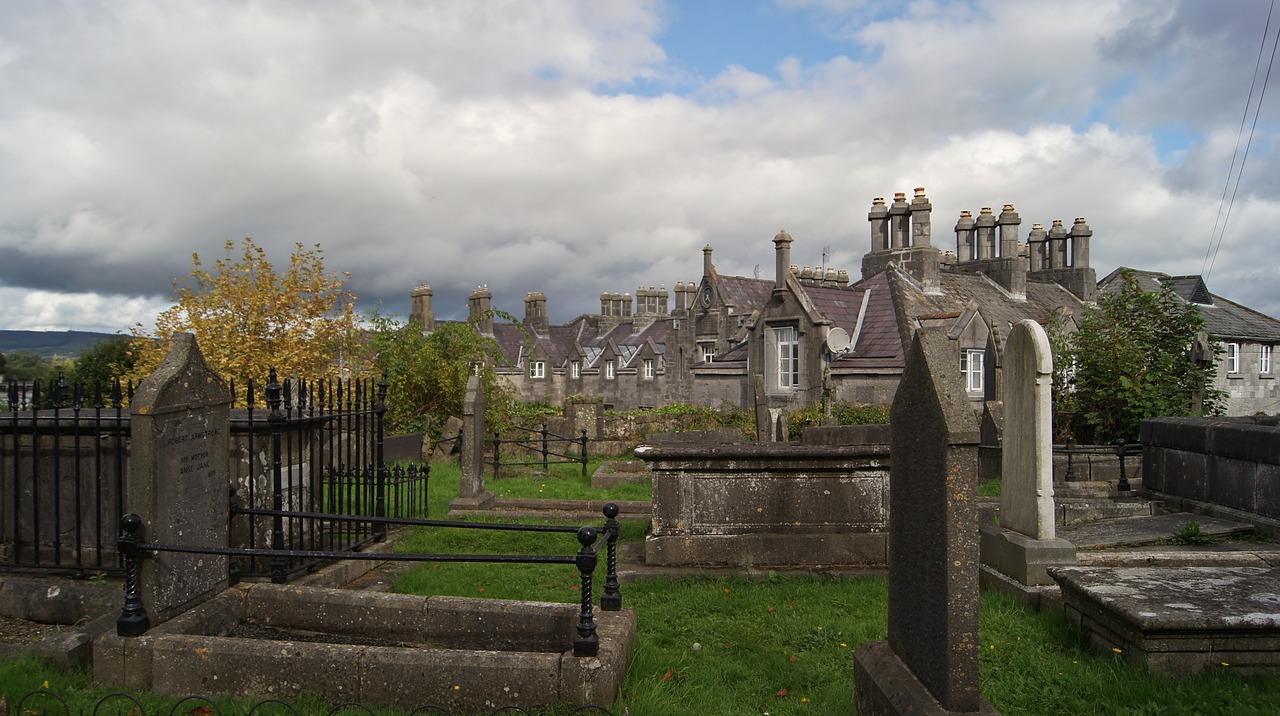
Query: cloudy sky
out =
(577, 147)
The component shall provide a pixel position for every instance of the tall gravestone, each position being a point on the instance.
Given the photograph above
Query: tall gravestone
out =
(179, 478)
(1024, 545)
(930, 662)
(472, 494)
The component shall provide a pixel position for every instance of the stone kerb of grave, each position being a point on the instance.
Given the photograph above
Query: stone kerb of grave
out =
(1025, 544)
(930, 662)
(179, 477)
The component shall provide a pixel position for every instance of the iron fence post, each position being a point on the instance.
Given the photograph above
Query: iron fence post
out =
(1123, 484)
(133, 619)
(588, 642)
(611, 600)
(544, 447)
(279, 570)
(584, 453)
(497, 448)
(380, 465)
(1071, 470)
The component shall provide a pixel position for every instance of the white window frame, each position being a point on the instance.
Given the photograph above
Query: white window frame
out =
(784, 342)
(648, 369)
(576, 369)
(708, 352)
(537, 369)
(610, 370)
(1264, 355)
(1233, 358)
(971, 365)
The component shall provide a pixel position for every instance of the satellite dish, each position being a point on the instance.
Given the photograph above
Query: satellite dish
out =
(837, 340)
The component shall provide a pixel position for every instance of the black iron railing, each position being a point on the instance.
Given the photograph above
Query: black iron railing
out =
(1120, 449)
(63, 460)
(134, 621)
(554, 449)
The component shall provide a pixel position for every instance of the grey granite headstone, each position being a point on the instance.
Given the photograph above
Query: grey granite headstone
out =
(930, 663)
(179, 478)
(1025, 543)
(764, 422)
(471, 491)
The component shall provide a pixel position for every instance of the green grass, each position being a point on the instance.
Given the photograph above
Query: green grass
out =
(779, 645)
(560, 482)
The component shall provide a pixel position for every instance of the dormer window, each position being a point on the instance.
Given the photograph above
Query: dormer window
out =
(537, 369)
(610, 370)
(575, 369)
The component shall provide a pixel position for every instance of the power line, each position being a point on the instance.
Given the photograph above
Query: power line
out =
(1213, 248)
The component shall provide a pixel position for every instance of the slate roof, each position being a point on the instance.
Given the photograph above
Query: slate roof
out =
(745, 294)
(1225, 319)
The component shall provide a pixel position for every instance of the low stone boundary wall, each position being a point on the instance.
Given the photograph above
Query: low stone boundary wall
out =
(776, 504)
(1232, 463)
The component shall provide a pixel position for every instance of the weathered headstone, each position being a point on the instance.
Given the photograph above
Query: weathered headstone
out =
(764, 421)
(179, 478)
(930, 662)
(1025, 544)
(472, 494)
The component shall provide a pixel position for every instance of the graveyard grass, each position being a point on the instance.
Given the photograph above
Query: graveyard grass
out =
(732, 645)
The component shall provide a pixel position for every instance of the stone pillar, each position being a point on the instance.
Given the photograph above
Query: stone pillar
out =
(985, 243)
(472, 494)
(899, 213)
(1080, 234)
(1025, 543)
(1057, 245)
(1009, 222)
(179, 478)
(1036, 245)
(921, 227)
(781, 258)
(481, 313)
(606, 304)
(879, 218)
(706, 261)
(930, 662)
(764, 426)
(966, 249)
(421, 310)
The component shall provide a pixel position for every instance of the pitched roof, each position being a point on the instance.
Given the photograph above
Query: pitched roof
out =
(744, 294)
(1225, 319)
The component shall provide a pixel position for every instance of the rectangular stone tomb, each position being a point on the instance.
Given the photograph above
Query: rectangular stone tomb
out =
(1179, 620)
(263, 641)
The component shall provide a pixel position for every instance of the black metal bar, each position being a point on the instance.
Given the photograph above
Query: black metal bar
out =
(611, 600)
(408, 521)
(544, 447)
(133, 619)
(584, 452)
(275, 418)
(366, 556)
(1071, 470)
(497, 449)
(379, 411)
(588, 642)
(1123, 484)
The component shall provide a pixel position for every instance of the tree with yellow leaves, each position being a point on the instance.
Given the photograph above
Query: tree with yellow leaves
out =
(247, 318)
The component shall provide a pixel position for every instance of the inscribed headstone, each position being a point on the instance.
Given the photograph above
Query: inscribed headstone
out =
(179, 477)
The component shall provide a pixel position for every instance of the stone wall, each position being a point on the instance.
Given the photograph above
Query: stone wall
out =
(1229, 463)
(776, 504)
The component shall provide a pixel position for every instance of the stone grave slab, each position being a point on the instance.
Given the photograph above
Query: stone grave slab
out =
(1179, 621)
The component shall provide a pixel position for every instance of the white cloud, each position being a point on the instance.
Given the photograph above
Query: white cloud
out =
(460, 143)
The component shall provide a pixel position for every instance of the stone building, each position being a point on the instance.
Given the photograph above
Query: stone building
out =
(809, 333)
(1247, 338)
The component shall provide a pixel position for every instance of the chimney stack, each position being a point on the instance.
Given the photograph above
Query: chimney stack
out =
(1009, 222)
(966, 249)
(482, 310)
(899, 213)
(879, 218)
(782, 256)
(421, 311)
(921, 227)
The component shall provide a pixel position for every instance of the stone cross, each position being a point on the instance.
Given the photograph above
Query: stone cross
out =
(179, 478)
(930, 663)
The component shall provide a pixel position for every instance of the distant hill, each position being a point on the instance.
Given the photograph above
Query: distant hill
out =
(68, 344)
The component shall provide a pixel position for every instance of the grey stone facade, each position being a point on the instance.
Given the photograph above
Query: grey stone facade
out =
(809, 333)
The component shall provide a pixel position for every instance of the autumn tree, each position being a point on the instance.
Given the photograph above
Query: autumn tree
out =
(1132, 359)
(248, 318)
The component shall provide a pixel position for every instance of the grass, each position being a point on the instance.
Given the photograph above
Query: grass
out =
(560, 482)
(779, 645)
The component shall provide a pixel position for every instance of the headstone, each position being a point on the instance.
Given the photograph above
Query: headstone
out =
(930, 662)
(764, 421)
(586, 414)
(450, 442)
(179, 478)
(1025, 544)
(471, 492)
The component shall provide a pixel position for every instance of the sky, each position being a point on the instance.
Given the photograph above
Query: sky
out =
(575, 147)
